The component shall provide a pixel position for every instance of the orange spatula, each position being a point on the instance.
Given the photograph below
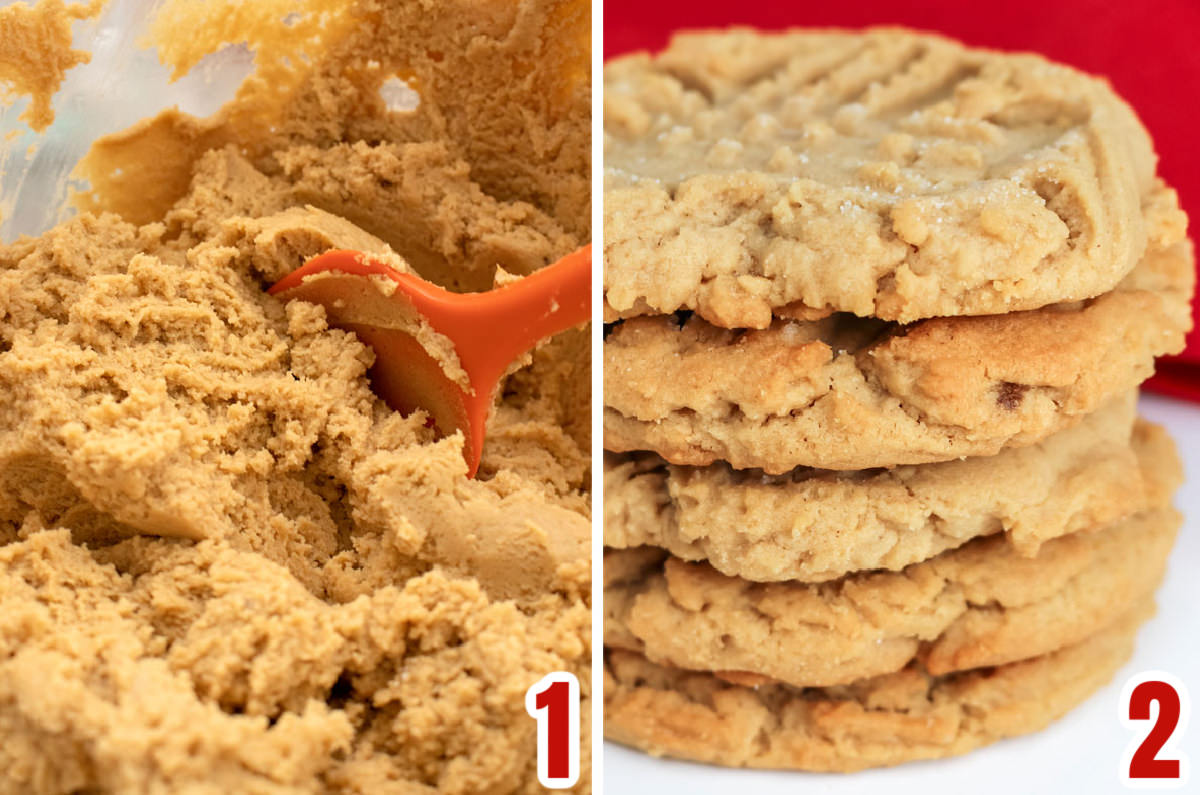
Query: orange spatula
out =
(487, 331)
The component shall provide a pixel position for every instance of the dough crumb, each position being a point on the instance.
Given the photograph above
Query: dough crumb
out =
(36, 53)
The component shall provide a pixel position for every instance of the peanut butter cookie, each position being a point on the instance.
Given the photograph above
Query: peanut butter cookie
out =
(887, 174)
(843, 392)
(981, 604)
(900, 717)
(815, 525)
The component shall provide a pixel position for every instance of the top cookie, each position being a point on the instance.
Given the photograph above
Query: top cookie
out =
(887, 174)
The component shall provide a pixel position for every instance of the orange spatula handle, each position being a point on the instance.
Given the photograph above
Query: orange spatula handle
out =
(488, 331)
(492, 329)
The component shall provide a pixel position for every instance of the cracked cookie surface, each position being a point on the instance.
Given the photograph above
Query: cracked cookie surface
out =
(887, 174)
(901, 717)
(843, 392)
(816, 525)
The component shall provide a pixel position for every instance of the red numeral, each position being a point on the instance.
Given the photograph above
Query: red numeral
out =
(554, 700)
(554, 703)
(1153, 759)
(1144, 764)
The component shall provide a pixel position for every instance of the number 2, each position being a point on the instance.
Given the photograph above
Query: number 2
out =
(554, 703)
(1150, 761)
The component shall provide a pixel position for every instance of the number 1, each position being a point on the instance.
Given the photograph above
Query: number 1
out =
(554, 703)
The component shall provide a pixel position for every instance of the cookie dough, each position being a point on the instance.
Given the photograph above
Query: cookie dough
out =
(843, 392)
(225, 564)
(816, 525)
(901, 717)
(887, 174)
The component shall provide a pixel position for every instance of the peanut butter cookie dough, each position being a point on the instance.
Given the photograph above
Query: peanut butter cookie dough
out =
(816, 525)
(225, 564)
(887, 174)
(844, 392)
(901, 717)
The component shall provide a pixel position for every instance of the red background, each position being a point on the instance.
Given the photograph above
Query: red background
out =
(1148, 49)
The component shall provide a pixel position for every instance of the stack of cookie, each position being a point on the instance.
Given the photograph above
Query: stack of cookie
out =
(878, 308)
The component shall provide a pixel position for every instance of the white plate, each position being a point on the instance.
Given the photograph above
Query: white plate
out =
(1080, 753)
